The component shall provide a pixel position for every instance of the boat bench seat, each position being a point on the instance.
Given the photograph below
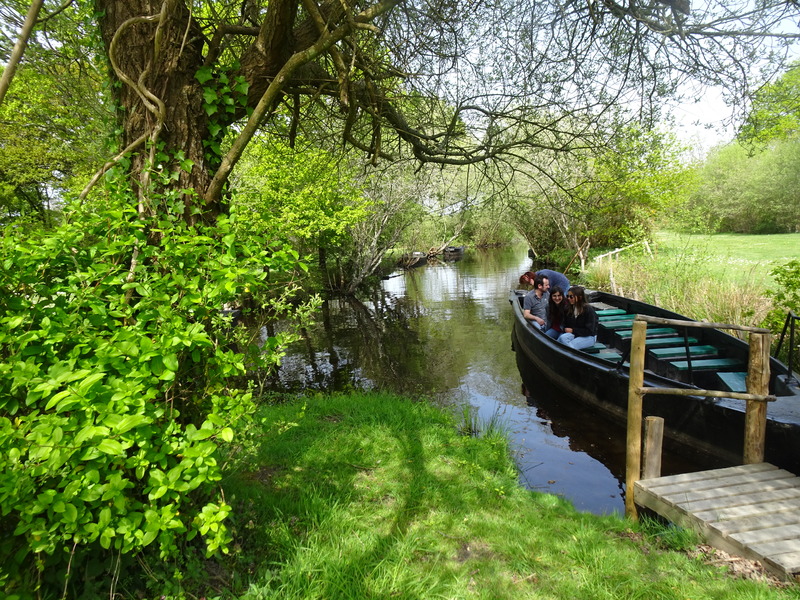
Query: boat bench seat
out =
(619, 317)
(708, 364)
(609, 355)
(667, 341)
(733, 381)
(615, 325)
(679, 351)
(627, 334)
(608, 312)
(598, 347)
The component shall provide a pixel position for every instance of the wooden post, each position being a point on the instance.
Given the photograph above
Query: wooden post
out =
(755, 420)
(633, 458)
(653, 439)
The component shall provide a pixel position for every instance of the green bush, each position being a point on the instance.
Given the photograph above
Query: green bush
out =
(785, 298)
(116, 387)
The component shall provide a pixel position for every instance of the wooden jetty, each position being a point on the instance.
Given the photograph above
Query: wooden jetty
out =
(752, 510)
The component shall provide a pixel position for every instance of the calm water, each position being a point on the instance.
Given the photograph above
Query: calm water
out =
(443, 331)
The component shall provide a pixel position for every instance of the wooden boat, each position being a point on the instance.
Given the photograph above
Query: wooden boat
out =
(413, 260)
(451, 253)
(598, 377)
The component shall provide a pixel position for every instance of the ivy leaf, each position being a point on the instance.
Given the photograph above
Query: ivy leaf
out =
(204, 74)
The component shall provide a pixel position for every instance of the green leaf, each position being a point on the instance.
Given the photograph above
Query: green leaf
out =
(171, 361)
(111, 446)
(226, 434)
(204, 74)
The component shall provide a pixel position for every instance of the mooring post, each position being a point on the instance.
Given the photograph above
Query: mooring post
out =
(755, 420)
(633, 458)
(653, 442)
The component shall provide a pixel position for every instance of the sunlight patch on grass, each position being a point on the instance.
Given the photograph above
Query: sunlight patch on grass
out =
(390, 501)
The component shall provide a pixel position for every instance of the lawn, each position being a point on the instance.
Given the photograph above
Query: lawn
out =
(374, 496)
(738, 257)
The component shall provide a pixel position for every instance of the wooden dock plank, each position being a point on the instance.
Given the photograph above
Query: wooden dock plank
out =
(750, 510)
(747, 510)
(729, 501)
(704, 475)
(750, 524)
(768, 534)
(714, 481)
(691, 494)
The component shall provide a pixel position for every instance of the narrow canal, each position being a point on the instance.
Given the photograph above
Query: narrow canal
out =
(443, 331)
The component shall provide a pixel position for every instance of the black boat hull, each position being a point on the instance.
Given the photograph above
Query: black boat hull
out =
(712, 427)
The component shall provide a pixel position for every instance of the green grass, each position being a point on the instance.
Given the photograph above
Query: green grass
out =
(743, 258)
(723, 278)
(374, 496)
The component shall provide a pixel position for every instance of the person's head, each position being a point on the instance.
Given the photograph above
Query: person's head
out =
(527, 278)
(576, 298)
(556, 295)
(541, 283)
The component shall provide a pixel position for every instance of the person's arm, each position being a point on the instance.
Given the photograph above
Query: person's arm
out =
(529, 316)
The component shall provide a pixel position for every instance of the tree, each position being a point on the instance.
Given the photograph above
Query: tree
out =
(744, 190)
(185, 74)
(775, 111)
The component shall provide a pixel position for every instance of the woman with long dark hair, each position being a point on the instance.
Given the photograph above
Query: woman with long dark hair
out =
(555, 312)
(580, 321)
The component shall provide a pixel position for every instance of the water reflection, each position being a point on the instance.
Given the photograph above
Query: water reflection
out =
(443, 331)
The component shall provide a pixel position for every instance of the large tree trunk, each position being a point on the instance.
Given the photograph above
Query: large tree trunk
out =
(155, 50)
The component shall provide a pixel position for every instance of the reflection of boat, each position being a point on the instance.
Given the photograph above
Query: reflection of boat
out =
(412, 260)
(599, 377)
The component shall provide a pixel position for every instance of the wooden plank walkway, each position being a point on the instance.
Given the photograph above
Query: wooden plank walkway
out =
(751, 511)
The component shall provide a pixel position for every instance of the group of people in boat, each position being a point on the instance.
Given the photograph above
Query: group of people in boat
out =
(559, 309)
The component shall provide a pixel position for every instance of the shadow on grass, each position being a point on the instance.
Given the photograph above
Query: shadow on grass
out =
(366, 469)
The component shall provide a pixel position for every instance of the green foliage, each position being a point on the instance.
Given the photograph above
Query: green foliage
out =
(46, 145)
(785, 296)
(298, 195)
(223, 96)
(117, 385)
(635, 179)
(740, 192)
(612, 198)
(775, 114)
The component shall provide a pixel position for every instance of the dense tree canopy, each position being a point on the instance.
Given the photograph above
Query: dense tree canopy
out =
(449, 82)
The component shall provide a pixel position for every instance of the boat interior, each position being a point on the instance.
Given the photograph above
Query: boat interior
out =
(685, 357)
(692, 356)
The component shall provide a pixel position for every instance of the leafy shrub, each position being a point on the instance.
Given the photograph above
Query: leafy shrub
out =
(785, 298)
(116, 393)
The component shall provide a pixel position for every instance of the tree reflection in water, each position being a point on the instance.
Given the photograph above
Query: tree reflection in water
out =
(443, 332)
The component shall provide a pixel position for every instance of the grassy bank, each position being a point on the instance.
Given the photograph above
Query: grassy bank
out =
(739, 257)
(721, 278)
(374, 496)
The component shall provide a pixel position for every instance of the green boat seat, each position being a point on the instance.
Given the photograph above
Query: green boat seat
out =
(626, 334)
(609, 355)
(615, 325)
(734, 381)
(708, 364)
(596, 348)
(679, 351)
(610, 312)
(667, 341)
(622, 317)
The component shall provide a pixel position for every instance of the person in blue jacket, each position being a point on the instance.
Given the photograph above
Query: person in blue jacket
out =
(555, 278)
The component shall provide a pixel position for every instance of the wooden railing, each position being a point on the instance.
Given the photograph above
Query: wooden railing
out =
(756, 397)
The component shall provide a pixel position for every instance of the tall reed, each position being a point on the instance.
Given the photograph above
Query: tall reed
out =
(686, 282)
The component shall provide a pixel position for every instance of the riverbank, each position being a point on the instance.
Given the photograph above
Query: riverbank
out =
(375, 496)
